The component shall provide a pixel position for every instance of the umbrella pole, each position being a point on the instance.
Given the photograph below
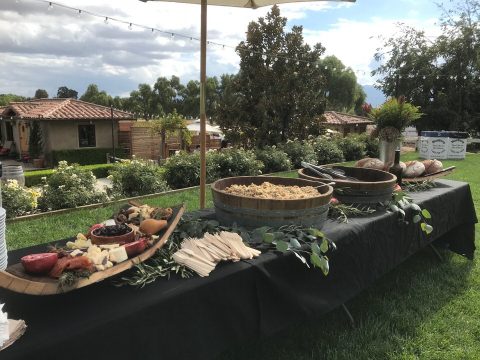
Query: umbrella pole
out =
(203, 116)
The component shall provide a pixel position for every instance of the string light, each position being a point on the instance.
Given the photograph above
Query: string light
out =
(263, 55)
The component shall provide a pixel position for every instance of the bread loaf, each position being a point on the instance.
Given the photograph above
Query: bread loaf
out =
(432, 166)
(413, 169)
(370, 163)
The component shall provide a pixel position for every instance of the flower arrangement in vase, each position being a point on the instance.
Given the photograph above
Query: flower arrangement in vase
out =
(391, 119)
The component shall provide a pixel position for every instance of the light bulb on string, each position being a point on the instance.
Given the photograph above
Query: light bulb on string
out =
(297, 63)
(79, 14)
(326, 67)
(308, 64)
(173, 35)
(264, 57)
(130, 27)
(316, 66)
(276, 59)
(465, 77)
(50, 6)
(251, 54)
(334, 69)
(106, 20)
(286, 61)
(424, 77)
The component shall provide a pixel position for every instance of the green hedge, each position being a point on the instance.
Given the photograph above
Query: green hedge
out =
(85, 156)
(34, 177)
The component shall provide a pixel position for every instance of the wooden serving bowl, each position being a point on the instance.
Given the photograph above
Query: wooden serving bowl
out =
(255, 212)
(374, 185)
(120, 239)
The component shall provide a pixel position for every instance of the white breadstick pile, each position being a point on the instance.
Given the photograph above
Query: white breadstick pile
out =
(202, 255)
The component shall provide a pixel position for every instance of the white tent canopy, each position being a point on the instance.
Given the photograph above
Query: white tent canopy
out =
(209, 129)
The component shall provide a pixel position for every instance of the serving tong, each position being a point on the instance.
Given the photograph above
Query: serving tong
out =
(328, 173)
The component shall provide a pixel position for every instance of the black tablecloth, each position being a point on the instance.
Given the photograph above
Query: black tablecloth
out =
(200, 317)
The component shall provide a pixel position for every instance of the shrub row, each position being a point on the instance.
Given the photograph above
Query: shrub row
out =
(33, 178)
(85, 156)
(182, 170)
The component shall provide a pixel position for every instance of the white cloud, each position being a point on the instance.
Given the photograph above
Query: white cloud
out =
(355, 42)
(42, 48)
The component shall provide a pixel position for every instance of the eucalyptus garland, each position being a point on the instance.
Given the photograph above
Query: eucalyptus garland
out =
(400, 202)
(303, 242)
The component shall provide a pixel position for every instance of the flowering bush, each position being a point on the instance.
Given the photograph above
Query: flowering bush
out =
(352, 147)
(299, 151)
(274, 159)
(233, 162)
(137, 177)
(69, 186)
(18, 200)
(327, 151)
(183, 170)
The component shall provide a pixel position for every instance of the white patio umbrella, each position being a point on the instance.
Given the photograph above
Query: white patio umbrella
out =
(253, 4)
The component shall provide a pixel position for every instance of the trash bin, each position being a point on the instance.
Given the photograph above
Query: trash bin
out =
(458, 145)
(434, 144)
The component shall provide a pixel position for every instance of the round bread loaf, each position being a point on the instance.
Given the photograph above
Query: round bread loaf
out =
(370, 163)
(432, 166)
(413, 169)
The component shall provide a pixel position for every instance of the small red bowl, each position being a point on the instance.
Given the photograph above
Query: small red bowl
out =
(120, 239)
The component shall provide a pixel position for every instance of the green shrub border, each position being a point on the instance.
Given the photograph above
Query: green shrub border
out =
(87, 156)
(34, 177)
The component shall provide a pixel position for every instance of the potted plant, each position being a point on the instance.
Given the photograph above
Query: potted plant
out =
(391, 119)
(35, 145)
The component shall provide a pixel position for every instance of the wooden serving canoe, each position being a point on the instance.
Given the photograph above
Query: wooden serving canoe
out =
(14, 278)
(431, 177)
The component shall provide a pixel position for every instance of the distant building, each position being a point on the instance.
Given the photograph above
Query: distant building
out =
(345, 123)
(66, 124)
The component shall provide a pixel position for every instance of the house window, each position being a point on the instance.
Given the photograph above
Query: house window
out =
(86, 136)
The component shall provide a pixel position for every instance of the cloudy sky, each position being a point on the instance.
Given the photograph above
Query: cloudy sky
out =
(48, 48)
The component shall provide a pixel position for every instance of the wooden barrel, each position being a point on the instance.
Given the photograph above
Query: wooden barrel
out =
(255, 212)
(374, 186)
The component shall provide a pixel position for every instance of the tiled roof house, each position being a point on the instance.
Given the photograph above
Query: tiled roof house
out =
(345, 123)
(66, 124)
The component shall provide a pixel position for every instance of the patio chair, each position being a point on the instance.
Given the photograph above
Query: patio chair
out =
(5, 150)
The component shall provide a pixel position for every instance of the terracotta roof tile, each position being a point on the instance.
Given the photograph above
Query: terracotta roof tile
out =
(334, 117)
(64, 109)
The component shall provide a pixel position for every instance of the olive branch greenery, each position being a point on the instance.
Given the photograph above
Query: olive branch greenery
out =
(342, 212)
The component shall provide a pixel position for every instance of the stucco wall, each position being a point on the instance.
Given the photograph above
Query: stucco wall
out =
(63, 135)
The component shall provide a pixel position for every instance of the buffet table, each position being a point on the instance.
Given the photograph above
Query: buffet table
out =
(198, 318)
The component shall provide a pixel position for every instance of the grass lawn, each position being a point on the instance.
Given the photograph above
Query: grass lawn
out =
(422, 310)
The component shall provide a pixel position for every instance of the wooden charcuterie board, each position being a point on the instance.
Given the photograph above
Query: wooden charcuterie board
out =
(15, 278)
(429, 177)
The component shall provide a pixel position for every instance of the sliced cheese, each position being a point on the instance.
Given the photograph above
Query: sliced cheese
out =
(117, 255)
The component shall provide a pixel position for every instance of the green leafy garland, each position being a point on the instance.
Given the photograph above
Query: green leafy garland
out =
(301, 241)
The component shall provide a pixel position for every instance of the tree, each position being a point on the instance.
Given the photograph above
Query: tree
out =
(64, 92)
(35, 140)
(41, 94)
(276, 99)
(171, 124)
(442, 76)
(341, 85)
(6, 99)
(93, 95)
